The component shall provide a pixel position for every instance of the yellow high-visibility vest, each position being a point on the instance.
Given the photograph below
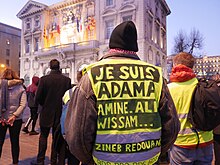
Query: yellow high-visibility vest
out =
(129, 124)
(181, 93)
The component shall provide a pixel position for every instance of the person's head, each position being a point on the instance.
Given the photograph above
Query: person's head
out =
(79, 75)
(215, 77)
(9, 74)
(35, 80)
(54, 64)
(185, 59)
(79, 72)
(124, 37)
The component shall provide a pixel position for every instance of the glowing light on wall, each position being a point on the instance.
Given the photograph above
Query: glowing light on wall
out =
(71, 24)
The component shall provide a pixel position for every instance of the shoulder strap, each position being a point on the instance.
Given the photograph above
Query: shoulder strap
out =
(70, 92)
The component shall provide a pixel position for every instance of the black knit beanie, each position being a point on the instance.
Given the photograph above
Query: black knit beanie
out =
(124, 37)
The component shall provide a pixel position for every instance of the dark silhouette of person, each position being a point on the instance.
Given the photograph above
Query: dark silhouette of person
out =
(31, 92)
(49, 95)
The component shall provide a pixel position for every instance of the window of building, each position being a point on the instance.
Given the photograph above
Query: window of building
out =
(158, 61)
(109, 2)
(163, 39)
(150, 54)
(127, 18)
(7, 42)
(7, 52)
(27, 46)
(157, 39)
(28, 24)
(7, 62)
(109, 28)
(36, 44)
(150, 27)
(163, 17)
(37, 21)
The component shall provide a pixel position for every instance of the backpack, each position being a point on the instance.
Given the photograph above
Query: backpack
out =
(59, 140)
(64, 111)
(59, 134)
(31, 99)
(204, 113)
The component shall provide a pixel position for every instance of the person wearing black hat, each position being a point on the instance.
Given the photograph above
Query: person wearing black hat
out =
(121, 110)
(49, 95)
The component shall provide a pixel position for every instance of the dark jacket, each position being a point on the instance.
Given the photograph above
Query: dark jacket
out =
(33, 87)
(49, 95)
(81, 120)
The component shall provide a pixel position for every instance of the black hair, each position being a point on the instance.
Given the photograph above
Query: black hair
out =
(54, 64)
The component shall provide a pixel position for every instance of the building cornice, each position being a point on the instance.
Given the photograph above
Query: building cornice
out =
(64, 4)
(166, 7)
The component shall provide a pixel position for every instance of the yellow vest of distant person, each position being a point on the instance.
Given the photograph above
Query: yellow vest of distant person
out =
(181, 93)
(128, 124)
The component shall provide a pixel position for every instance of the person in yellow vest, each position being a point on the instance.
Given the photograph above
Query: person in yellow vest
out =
(121, 110)
(190, 147)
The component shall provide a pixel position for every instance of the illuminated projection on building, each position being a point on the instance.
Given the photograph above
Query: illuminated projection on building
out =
(72, 24)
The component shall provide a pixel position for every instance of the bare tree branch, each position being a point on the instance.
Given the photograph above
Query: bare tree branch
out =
(183, 43)
(196, 39)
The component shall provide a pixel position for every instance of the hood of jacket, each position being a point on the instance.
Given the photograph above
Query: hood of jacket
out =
(33, 87)
(35, 80)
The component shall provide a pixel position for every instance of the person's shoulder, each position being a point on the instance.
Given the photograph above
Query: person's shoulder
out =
(44, 77)
(20, 87)
(65, 77)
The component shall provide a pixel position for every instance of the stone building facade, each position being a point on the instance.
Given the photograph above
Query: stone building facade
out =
(77, 32)
(10, 39)
(207, 66)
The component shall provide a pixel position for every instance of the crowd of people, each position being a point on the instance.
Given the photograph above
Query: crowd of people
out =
(121, 111)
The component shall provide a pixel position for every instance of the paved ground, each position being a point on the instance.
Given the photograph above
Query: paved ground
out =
(28, 150)
(28, 147)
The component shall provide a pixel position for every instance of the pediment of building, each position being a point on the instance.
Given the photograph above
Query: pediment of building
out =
(128, 7)
(109, 12)
(30, 8)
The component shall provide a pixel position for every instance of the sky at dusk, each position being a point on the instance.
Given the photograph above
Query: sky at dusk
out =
(203, 15)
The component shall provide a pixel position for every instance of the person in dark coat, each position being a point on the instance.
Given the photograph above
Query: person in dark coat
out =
(49, 95)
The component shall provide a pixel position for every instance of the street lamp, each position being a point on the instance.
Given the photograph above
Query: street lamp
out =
(2, 68)
(2, 65)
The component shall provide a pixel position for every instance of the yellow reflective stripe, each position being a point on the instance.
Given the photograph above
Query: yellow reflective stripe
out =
(145, 162)
(192, 139)
(127, 131)
(182, 115)
(186, 131)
